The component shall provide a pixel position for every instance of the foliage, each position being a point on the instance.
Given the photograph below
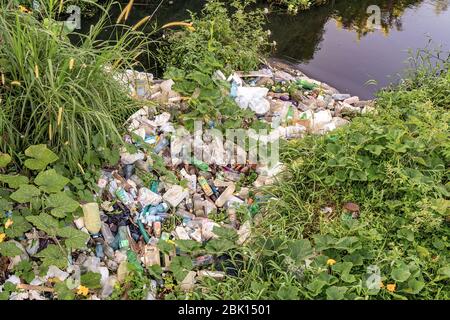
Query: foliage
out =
(394, 164)
(44, 201)
(231, 35)
(210, 100)
(293, 6)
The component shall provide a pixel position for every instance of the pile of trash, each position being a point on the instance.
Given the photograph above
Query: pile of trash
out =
(155, 195)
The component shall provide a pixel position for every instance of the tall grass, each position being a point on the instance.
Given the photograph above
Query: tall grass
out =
(56, 93)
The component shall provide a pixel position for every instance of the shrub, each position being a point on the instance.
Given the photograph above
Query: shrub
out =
(231, 35)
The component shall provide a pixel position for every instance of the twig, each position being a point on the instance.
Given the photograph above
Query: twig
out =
(37, 288)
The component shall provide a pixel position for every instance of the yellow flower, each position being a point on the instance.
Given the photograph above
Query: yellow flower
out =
(390, 287)
(2, 237)
(8, 223)
(23, 9)
(82, 290)
(381, 284)
(330, 262)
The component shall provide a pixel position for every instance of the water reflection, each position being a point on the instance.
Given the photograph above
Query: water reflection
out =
(299, 37)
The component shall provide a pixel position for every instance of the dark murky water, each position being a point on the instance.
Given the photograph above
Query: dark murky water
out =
(333, 43)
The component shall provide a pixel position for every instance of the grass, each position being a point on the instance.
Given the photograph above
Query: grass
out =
(395, 165)
(59, 94)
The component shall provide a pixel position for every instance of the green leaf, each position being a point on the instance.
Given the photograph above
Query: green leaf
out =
(414, 286)
(299, 249)
(287, 292)
(13, 181)
(76, 239)
(5, 205)
(405, 234)
(336, 293)
(18, 228)
(444, 271)
(4, 295)
(180, 266)
(52, 255)
(155, 271)
(4, 159)
(41, 157)
(165, 247)
(63, 292)
(225, 233)
(219, 245)
(188, 245)
(9, 286)
(374, 149)
(316, 286)
(61, 204)
(25, 193)
(50, 181)
(348, 243)
(44, 222)
(400, 274)
(9, 249)
(324, 242)
(91, 280)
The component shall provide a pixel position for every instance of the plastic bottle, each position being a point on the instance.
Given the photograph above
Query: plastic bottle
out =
(143, 231)
(202, 166)
(157, 229)
(306, 84)
(124, 196)
(162, 143)
(232, 216)
(340, 96)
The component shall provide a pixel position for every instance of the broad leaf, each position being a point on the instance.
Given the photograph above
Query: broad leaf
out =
(5, 205)
(91, 280)
(75, 239)
(61, 204)
(18, 228)
(188, 245)
(4, 159)
(25, 193)
(13, 181)
(287, 293)
(63, 292)
(45, 222)
(53, 255)
(400, 274)
(299, 249)
(336, 293)
(9, 249)
(180, 266)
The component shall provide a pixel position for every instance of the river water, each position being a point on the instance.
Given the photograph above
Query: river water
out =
(335, 44)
